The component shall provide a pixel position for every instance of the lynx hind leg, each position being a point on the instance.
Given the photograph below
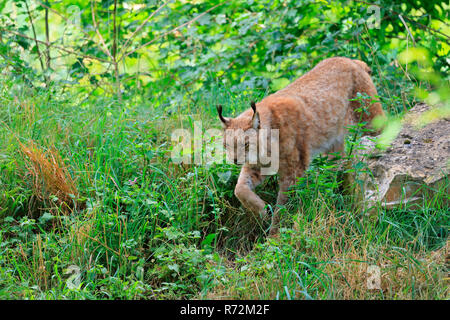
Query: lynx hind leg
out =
(364, 84)
(248, 180)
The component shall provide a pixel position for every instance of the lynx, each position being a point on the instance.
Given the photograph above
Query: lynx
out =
(311, 116)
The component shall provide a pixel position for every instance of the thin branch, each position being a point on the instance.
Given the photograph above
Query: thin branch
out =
(52, 10)
(58, 47)
(172, 30)
(105, 48)
(407, 29)
(422, 26)
(88, 36)
(125, 46)
(34, 35)
(47, 38)
(114, 47)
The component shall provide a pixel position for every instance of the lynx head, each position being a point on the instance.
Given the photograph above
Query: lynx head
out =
(241, 136)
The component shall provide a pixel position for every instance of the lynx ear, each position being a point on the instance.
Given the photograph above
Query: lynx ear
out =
(225, 121)
(255, 118)
(253, 106)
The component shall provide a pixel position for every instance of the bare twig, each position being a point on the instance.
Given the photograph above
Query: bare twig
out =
(422, 26)
(88, 36)
(102, 41)
(35, 37)
(173, 30)
(47, 38)
(58, 47)
(407, 29)
(125, 46)
(114, 47)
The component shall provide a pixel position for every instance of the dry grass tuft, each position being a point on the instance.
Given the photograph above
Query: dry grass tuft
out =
(50, 177)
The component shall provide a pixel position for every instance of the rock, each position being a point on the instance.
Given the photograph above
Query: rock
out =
(415, 165)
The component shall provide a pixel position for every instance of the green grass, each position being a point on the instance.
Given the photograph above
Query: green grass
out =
(141, 227)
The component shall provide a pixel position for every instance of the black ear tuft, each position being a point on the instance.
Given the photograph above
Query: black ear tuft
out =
(253, 106)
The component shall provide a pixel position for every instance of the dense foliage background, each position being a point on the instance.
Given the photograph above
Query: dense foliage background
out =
(182, 47)
(91, 205)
